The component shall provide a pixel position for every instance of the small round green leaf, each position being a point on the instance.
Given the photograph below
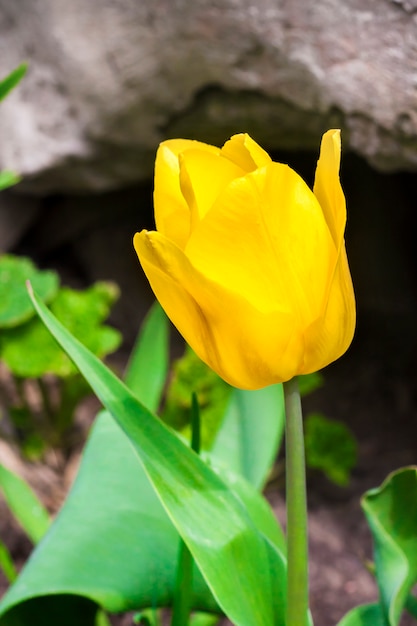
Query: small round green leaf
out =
(30, 351)
(15, 304)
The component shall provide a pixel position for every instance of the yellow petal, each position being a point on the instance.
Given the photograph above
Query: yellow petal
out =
(327, 187)
(245, 152)
(331, 336)
(172, 214)
(266, 237)
(246, 347)
(203, 176)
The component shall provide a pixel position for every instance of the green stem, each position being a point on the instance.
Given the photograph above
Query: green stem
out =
(182, 597)
(195, 424)
(183, 591)
(297, 543)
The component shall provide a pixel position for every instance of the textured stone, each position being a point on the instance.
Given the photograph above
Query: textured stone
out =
(109, 79)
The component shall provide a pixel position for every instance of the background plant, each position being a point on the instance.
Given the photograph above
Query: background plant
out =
(44, 388)
(121, 538)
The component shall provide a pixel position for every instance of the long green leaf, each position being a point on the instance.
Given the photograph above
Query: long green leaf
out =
(111, 543)
(111, 546)
(251, 433)
(10, 82)
(391, 511)
(6, 563)
(244, 571)
(148, 365)
(24, 505)
(103, 489)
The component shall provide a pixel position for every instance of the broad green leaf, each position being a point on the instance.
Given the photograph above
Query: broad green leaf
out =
(30, 351)
(105, 498)
(7, 179)
(10, 82)
(233, 556)
(111, 546)
(15, 305)
(148, 365)
(256, 505)
(24, 505)
(391, 511)
(251, 433)
(6, 564)
(330, 447)
(112, 542)
(364, 615)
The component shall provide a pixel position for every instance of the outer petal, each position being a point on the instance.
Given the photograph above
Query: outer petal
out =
(245, 152)
(331, 336)
(246, 347)
(266, 238)
(172, 214)
(327, 187)
(203, 176)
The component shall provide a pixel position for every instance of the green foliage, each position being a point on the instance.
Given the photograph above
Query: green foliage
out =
(229, 528)
(6, 564)
(251, 433)
(13, 79)
(15, 305)
(27, 510)
(364, 615)
(310, 382)
(330, 447)
(391, 511)
(29, 351)
(8, 178)
(242, 429)
(149, 362)
(190, 375)
(23, 503)
(112, 550)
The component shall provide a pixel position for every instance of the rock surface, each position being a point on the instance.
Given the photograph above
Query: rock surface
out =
(109, 79)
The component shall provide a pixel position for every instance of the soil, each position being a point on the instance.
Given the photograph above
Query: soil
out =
(378, 402)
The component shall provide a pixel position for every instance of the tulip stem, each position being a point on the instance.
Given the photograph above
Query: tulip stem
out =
(184, 581)
(296, 497)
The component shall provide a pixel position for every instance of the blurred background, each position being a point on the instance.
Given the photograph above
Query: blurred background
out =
(108, 80)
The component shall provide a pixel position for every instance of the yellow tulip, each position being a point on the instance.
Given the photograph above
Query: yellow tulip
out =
(250, 264)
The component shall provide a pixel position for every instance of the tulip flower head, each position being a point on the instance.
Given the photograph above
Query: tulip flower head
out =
(250, 264)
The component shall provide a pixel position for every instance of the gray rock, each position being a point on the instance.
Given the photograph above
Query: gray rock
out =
(109, 79)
